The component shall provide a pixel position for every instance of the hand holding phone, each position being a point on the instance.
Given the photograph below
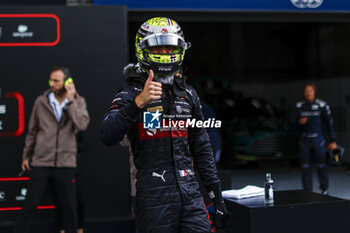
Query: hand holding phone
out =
(70, 87)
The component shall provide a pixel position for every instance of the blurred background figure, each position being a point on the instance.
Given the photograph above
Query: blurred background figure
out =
(214, 133)
(82, 148)
(50, 148)
(125, 143)
(308, 117)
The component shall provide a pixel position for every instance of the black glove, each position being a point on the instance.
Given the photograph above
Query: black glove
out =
(221, 213)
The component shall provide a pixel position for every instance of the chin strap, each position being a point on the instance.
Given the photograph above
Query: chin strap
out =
(166, 80)
(179, 86)
(177, 83)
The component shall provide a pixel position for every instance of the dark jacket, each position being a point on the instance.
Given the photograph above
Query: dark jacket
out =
(162, 149)
(316, 112)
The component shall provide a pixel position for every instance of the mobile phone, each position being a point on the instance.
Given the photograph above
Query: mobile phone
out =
(68, 81)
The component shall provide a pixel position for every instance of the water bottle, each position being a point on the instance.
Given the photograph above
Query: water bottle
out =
(268, 190)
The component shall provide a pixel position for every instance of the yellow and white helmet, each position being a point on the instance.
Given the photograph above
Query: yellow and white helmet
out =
(156, 32)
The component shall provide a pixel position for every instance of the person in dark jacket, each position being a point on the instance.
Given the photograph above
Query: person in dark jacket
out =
(308, 116)
(156, 94)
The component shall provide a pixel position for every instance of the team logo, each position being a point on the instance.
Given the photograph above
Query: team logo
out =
(178, 108)
(22, 195)
(151, 120)
(156, 108)
(22, 31)
(22, 28)
(314, 107)
(151, 132)
(307, 3)
(2, 196)
(2, 109)
(155, 174)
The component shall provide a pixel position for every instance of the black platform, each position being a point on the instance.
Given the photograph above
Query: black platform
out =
(296, 211)
(91, 226)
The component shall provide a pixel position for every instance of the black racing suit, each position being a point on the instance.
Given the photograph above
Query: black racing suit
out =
(168, 197)
(311, 139)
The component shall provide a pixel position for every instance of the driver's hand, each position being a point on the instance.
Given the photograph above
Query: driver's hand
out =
(151, 91)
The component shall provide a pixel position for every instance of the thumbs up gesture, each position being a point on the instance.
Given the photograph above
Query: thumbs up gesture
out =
(151, 91)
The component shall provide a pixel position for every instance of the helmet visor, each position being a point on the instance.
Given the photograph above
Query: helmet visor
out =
(160, 39)
(164, 58)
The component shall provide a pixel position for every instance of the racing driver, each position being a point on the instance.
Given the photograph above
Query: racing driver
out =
(168, 199)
